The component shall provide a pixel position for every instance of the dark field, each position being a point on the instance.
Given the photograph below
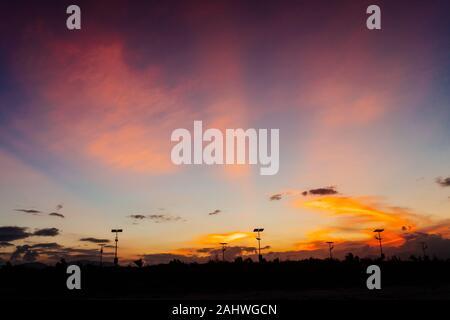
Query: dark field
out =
(292, 280)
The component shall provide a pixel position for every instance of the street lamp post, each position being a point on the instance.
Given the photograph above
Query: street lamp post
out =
(116, 231)
(223, 250)
(330, 247)
(378, 237)
(258, 230)
(424, 249)
(101, 254)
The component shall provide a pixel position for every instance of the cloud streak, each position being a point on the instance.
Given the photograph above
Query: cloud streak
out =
(157, 218)
(46, 232)
(215, 212)
(443, 182)
(321, 191)
(94, 240)
(30, 211)
(275, 197)
(56, 214)
(331, 190)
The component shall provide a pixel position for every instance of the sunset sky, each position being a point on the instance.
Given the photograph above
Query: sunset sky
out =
(86, 118)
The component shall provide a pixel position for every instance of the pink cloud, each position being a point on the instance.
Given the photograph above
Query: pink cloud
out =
(91, 102)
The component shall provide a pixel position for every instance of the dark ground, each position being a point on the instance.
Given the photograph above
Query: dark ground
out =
(294, 280)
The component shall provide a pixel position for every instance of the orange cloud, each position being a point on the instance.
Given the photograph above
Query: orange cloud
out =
(362, 209)
(357, 218)
(224, 237)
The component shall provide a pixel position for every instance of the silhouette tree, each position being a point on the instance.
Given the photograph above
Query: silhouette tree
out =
(238, 260)
(139, 263)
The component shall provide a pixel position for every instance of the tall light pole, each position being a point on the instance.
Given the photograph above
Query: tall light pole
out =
(116, 231)
(424, 249)
(223, 250)
(330, 247)
(378, 237)
(101, 254)
(258, 237)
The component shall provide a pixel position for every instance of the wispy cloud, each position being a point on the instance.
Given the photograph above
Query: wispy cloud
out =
(443, 182)
(46, 232)
(31, 211)
(39, 212)
(94, 240)
(46, 245)
(215, 212)
(276, 196)
(157, 218)
(137, 216)
(331, 190)
(56, 214)
(163, 218)
(356, 218)
(321, 191)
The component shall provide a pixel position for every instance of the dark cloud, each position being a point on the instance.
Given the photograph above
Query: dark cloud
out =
(203, 255)
(163, 218)
(13, 233)
(231, 251)
(46, 232)
(37, 212)
(94, 240)
(47, 245)
(52, 252)
(69, 251)
(31, 211)
(56, 214)
(30, 256)
(443, 182)
(313, 192)
(25, 253)
(10, 233)
(276, 196)
(5, 244)
(322, 191)
(72, 254)
(157, 218)
(436, 245)
(137, 216)
(217, 211)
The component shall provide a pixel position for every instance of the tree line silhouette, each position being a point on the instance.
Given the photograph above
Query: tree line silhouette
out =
(418, 276)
